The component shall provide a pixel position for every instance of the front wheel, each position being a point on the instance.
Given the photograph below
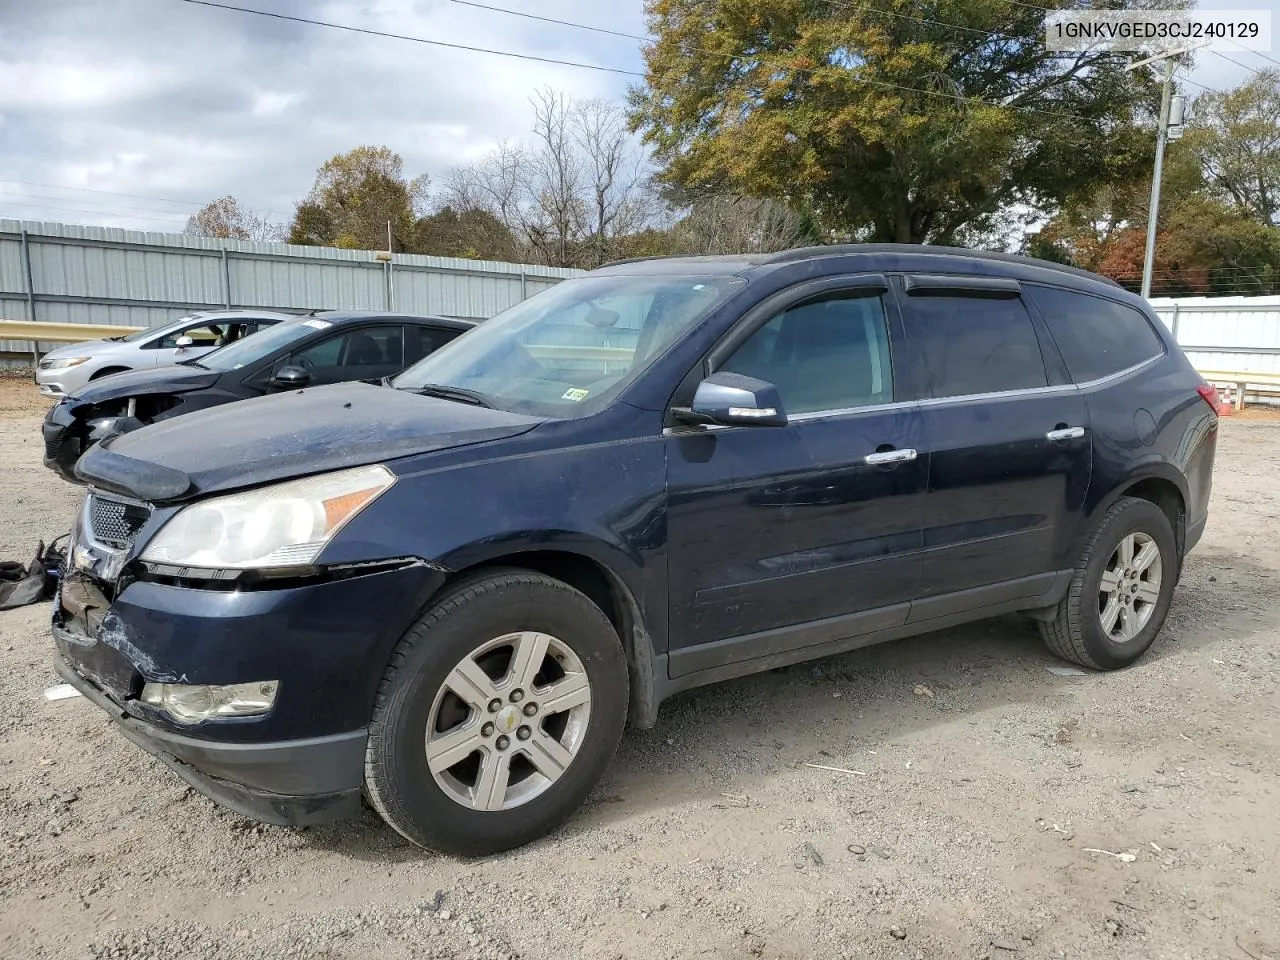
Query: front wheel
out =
(499, 712)
(1121, 590)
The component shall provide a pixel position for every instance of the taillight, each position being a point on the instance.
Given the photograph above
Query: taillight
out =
(1209, 394)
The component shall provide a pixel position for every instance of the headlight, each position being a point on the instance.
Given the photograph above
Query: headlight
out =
(283, 525)
(61, 363)
(191, 703)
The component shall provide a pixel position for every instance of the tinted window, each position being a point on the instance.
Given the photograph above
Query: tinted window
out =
(1097, 337)
(976, 345)
(828, 355)
(420, 341)
(366, 347)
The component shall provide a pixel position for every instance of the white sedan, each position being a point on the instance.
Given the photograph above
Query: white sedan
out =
(64, 370)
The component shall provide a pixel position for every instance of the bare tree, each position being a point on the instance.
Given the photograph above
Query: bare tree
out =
(556, 210)
(225, 219)
(614, 175)
(739, 225)
(571, 193)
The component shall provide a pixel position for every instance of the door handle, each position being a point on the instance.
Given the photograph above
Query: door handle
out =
(1066, 433)
(889, 456)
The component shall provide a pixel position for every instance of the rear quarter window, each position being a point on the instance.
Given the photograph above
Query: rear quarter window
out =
(1097, 337)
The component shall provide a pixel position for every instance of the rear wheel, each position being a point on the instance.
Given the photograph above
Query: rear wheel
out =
(1121, 590)
(499, 712)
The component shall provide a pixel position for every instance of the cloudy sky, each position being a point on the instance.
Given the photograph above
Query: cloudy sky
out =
(136, 112)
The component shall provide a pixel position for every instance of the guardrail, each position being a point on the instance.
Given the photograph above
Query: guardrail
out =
(1242, 380)
(42, 331)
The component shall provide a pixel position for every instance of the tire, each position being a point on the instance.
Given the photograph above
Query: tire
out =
(1078, 630)
(455, 810)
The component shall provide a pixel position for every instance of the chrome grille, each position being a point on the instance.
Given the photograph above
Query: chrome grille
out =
(114, 523)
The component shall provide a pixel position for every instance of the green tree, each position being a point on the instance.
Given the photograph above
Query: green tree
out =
(470, 233)
(1236, 135)
(354, 197)
(888, 120)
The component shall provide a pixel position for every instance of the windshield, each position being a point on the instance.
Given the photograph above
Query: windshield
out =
(147, 333)
(570, 349)
(253, 348)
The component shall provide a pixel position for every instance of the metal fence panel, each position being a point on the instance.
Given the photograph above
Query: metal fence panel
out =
(80, 274)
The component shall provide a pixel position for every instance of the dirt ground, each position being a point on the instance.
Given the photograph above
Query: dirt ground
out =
(997, 809)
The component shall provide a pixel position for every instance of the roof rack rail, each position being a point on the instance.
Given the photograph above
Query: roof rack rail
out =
(843, 249)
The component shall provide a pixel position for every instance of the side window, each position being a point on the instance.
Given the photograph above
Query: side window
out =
(1097, 337)
(830, 354)
(355, 349)
(421, 341)
(322, 354)
(208, 335)
(976, 345)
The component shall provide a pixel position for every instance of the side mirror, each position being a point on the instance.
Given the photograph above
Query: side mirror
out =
(183, 342)
(291, 378)
(732, 399)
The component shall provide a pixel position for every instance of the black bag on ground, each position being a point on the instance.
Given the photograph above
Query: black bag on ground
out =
(21, 585)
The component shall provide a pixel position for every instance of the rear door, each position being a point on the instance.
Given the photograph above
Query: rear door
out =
(1008, 436)
(787, 537)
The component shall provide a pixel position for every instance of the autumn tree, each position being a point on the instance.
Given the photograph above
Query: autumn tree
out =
(225, 219)
(472, 233)
(890, 121)
(355, 195)
(1205, 242)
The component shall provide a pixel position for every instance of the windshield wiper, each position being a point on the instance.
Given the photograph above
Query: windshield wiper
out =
(193, 363)
(453, 393)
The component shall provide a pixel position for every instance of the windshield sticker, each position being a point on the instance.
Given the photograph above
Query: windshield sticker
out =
(576, 394)
(318, 324)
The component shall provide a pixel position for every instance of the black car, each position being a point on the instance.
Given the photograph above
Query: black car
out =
(453, 592)
(305, 351)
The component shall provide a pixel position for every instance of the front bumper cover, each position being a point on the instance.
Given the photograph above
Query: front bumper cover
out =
(290, 782)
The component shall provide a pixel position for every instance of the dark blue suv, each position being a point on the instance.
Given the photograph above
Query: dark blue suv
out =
(450, 593)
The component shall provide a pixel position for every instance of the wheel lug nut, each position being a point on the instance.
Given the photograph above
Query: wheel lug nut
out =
(503, 742)
(524, 733)
(517, 695)
(495, 705)
(530, 709)
(487, 730)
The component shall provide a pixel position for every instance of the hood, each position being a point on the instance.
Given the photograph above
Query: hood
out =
(136, 383)
(287, 435)
(83, 348)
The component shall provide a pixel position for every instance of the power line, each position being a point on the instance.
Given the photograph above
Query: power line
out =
(111, 193)
(400, 36)
(114, 206)
(562, 23)
(1244, 66)
(105, 214)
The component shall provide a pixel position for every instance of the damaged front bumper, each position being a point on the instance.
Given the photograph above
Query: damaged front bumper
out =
(322, 639)
(291, 783)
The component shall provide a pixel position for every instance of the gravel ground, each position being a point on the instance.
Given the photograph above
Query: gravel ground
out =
(999, 810)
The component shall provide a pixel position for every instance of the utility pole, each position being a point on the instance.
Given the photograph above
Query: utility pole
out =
(1162, 137)
(391, 284)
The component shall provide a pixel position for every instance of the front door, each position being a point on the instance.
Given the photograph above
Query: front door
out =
(786, 537)
(1008, 440)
